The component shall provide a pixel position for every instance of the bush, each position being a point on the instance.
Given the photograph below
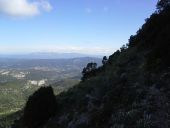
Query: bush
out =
(39, 107)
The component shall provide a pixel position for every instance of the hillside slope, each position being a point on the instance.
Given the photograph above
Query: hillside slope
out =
(132, 90)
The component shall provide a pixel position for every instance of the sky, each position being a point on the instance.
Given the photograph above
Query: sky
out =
(81, 26)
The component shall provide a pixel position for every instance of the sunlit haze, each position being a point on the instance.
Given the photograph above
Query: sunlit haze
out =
(80, 26)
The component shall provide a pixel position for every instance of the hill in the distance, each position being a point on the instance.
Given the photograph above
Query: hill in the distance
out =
(47, 55)
(131, 89)
(19, 78)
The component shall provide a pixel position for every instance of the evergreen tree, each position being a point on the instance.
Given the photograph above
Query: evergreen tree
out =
(89, 71)
(39, 107)
(163, 4)
(104, 61)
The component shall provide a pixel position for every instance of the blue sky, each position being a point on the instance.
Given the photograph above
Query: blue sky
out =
(83, 26)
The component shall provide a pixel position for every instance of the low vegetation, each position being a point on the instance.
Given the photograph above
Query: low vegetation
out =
(130, 90)
(20, 78)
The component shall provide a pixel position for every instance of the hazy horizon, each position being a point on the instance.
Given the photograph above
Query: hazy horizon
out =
(32, 53)
(64, 51)
(70, 26)
(49, 55)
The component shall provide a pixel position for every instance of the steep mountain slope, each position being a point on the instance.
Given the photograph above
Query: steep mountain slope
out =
(132, 90)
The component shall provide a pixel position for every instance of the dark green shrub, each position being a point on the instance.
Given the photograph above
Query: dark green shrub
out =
(39, 107)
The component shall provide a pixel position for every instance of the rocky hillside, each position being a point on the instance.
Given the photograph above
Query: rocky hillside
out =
(131, 90)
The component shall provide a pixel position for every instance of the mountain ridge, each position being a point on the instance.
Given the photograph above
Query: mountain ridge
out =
(48, 55)
(131, 90)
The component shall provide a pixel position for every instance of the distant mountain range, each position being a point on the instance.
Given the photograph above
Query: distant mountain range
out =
(30, 63)
(47, 55)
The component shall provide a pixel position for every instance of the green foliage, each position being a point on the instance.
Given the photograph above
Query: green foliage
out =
(124, 94)
(157, 57)
(89, 71)
(104, 61)
(39, 107)
(60, 74)
(7, 120)
(127, 93)
(13, 96)
(163, 4)
(123, 48)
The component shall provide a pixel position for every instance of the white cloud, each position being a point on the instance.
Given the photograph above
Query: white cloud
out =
(44, 4)
(23, 8)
